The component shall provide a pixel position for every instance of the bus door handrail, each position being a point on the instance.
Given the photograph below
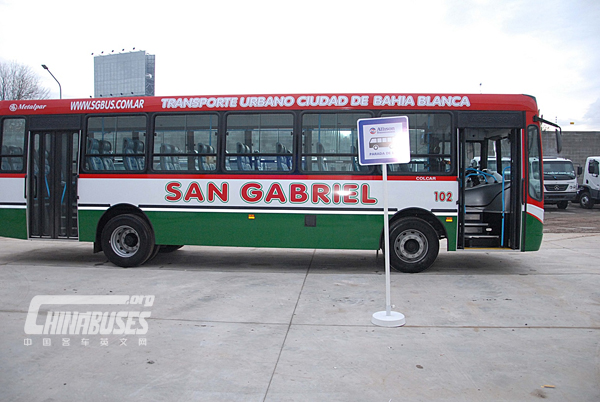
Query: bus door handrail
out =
(480, 173)
(503, 204)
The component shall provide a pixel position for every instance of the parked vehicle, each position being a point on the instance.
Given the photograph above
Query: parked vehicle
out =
(560, 182)
(589, 191)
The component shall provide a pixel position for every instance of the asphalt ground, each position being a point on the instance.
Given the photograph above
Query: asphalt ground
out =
(231, 324)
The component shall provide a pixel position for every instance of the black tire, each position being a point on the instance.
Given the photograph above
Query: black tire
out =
(562, 204)
(586, 201)
(169, 248)
(127, 240)
(414, 245)
(153, 254)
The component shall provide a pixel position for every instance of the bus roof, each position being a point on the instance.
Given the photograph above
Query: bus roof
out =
(280, 102)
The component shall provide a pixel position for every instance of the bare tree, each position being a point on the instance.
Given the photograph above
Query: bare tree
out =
(19, 82)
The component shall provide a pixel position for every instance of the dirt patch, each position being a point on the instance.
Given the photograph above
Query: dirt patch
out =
(574, 219)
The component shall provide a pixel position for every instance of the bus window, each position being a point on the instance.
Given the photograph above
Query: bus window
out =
(535, 157)
(185, 142)
(430, 144)
(260, 142)
(329, 142)
(115, 143)
(12, 140)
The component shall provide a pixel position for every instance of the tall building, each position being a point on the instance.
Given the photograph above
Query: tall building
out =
(124, 74)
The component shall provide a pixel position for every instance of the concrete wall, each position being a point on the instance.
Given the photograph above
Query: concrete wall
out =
(577, 145)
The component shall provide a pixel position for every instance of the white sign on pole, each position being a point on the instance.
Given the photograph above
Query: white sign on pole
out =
(381, 141)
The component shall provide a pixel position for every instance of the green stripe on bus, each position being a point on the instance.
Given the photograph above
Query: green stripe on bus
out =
(534, 232)
(336, 231)
(88, 223)
(267, 230)
(451, 225)
(14, 223)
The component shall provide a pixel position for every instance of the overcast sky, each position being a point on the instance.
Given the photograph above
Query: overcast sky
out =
(546, 48)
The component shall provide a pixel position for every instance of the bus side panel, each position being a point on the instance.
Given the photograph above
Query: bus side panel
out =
(13, 212)
(14, 222)
(337, 231)
(88, 223)
(450, 224)
(532, 231)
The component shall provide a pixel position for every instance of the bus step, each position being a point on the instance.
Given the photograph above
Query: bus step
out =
(473, 216)
(474, 230)
(476, 224)
(481, 240)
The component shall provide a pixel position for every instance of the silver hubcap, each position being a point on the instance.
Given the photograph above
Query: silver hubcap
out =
(125, 241)
(411, 246)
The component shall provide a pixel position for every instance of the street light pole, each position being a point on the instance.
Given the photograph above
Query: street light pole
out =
(59, 87)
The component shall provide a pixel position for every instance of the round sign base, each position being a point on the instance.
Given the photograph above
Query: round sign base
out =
(382, 319)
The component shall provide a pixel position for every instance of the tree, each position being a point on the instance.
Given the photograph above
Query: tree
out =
(19, 82)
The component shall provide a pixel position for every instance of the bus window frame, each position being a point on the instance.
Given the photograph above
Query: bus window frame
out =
(540, 196)
(24, 147)
(216, 154)
(453, 143)
(363, 169)
(146, 154)
(223, 154)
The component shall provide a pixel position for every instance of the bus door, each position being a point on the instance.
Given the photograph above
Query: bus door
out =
(489, 176)
(52, 184)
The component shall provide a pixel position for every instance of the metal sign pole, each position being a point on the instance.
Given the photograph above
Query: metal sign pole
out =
(385, 140)
(387, 318)
(386, 239)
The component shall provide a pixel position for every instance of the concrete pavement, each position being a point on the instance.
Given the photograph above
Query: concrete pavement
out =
(294, 325)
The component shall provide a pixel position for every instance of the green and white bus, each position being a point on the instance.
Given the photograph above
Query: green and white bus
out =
(140, 175)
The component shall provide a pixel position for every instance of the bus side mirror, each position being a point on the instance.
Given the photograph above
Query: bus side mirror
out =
(579, 170)
(558, 141)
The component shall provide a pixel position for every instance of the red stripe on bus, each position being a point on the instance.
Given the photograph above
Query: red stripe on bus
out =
(422, 178)
(318, 101)
(263, 177)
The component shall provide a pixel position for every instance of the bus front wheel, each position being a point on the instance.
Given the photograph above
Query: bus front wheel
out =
(169, 248)
(127, 240)
(414, 245)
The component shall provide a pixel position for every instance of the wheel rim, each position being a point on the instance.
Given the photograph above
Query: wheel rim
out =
(585, 200)
(411, 246)
(125, 241)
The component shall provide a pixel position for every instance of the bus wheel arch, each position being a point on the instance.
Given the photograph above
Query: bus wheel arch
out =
(414, 240)
(126, 236)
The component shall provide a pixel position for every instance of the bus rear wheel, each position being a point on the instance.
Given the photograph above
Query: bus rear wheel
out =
(127, 240)
(414, 245)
